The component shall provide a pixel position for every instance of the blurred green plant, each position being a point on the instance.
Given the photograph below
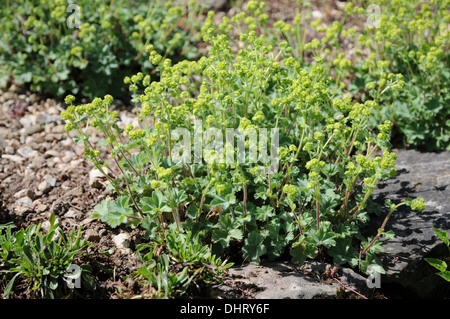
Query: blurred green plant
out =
(87, 48)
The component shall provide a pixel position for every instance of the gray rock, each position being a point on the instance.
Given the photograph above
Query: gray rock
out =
(13, 158)
(24, 193)
(73, 213)
(68, 156)
(59, 129)
(425, 175)
(25, 122)
(44, 118)
(24, 202)
(96, 177)
(283, 280)
(50, 180)
(33, 129)
(22, 206)
(91, 235)
(44, 187)
(122, 241)
(102, 232)
(40, 208)
(214, 4)
(46, 228)
(51, 153)
(9, 150)
(25, 151)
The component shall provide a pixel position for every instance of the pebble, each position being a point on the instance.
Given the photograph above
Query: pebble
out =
(24, 193)
(122, 241)
(24, 202)
(36, 128)
(91, 235)
(14, 158)
(50, 179)
(44, 187)
(25, 122)
(25, 151)
(46, 227)
(68, 156)
(40, 208)
(58, 129)
(102, 232)
(9, 150)
(51, 153)
(44, 118)
(20, 210)
(73, 213)
(96, 176)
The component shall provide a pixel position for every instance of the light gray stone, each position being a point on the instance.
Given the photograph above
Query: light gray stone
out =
(44, 118)
(50, 180)
(96, 177)
(284, 280)
(122, 240)
(24, 202)
(13, 158)
(33, 129)
(25, 151)
(24, 193)
(44, 187)
(91, 235)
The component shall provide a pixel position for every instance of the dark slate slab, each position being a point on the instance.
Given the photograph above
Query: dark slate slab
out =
(424, 175)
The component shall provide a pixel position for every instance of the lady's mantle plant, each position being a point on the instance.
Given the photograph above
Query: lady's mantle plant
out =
(328, 160)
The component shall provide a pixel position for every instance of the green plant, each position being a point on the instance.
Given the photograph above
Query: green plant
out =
(159, 275)
(87, 48)
(181, 167)
(42, 259)
(440, 264)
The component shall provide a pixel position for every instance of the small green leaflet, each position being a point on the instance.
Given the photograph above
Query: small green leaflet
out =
(437, 263)
(253, 247)
(113, 213)
(321, 237)
(300, 251)
(156, 203)
(442, 236)
(227, 230)
(445, 275)
(343, 252)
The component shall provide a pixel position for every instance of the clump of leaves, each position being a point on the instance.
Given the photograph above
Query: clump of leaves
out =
(182, 169)
(43, 260)
(159, 275)
(440, 264)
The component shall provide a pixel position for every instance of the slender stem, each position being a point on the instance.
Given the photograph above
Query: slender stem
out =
(298, 221)
(380, 230)
(129, 190)
(345, 287)
(317, 214)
